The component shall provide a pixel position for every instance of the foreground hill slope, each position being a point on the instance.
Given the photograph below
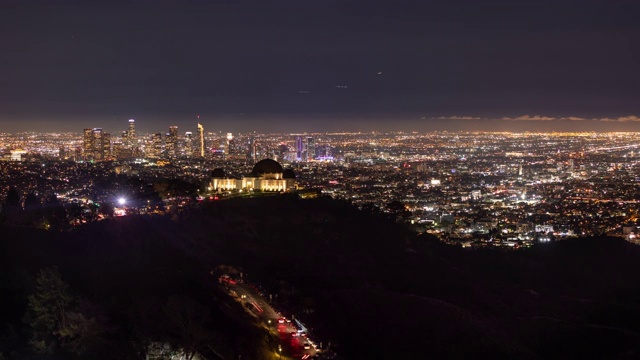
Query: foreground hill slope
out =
(366, 284)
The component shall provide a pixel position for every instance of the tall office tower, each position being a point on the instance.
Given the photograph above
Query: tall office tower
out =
(120, 150)
(311, 149)
(87, 143)
(62, 153)
(165, 148)
(229, 145)
(106, 145)
(131, 133)
(188, 144)
(201, 138)
(97, 144)
(171, 142)
(155, 151)
(299, 148)
(251, 152)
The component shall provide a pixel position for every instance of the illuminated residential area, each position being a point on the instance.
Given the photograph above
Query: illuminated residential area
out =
(506, 190)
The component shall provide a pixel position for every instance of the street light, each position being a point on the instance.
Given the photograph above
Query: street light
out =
(122, 201)
(280, 350)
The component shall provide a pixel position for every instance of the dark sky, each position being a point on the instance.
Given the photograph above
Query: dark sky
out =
(319, 64)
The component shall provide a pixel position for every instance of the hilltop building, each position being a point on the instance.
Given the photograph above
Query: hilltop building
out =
(267, 175)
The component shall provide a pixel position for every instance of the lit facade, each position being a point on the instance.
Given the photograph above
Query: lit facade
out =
(267, 175)
(96, 144)
(156, 146)
(171, 143)
(131, 133)
(201, 139)
(188, 144)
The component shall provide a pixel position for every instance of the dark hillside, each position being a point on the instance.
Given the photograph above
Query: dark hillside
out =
(363, 282)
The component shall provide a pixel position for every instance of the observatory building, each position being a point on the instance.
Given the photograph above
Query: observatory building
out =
(267, 175)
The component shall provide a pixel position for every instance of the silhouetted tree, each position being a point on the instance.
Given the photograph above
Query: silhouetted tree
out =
(13, 198)
(92, 215)
(75, 213)
(162, 189)
(395, 206)
(85, 328)
(370, 208)
(143, 315)
(55, 214)
(106, 209)
(47, 310)
(12, 208)
(31, 202)
(187, 324)
(56, 320)
(33, 215)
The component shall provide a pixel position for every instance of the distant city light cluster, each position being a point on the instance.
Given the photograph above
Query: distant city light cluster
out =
(473, 189)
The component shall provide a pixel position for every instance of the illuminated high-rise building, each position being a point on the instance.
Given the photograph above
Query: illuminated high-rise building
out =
(165, 152)
(311, 149)
(121, 150)
(171, 142)
(87, 143)
(188, 144)
(229, 148)
(251, 151)
(299, 148)
(106, 145)
(97, 144)
(201, 138)
(155, 151)
(131, 133)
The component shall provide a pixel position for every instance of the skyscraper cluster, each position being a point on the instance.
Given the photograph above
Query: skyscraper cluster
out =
(99, 145)
(305, 149)
(96, 144)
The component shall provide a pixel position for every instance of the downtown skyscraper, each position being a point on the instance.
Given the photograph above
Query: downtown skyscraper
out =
(200, 138)
(96, 144)
(171, 142)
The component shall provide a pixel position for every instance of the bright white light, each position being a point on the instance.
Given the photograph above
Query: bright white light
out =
(122, 201)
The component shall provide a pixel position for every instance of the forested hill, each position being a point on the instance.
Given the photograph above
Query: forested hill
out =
(368, 285)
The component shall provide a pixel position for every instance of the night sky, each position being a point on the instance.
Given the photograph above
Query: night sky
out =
(315, 65)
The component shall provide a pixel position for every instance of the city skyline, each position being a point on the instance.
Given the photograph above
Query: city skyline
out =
(318, 123)
(485, 180)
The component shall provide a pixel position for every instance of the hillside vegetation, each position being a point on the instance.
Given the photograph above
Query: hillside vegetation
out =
(363, 282)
